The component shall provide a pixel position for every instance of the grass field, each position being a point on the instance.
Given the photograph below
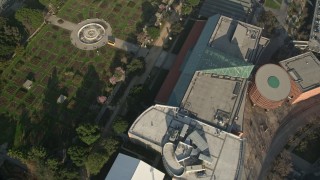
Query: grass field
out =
(272, 4)
(57, 68)
(124, 16)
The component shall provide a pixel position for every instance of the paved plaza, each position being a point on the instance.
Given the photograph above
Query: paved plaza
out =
(91, 34)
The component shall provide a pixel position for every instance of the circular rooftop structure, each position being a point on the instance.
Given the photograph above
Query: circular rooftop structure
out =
(91, 34)
(271, 87)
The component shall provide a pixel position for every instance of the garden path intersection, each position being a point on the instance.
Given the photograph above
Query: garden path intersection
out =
(91, 34)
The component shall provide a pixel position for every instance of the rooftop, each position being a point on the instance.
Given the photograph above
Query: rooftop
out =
(174, 74)
(225, 47)
(126, 167)
(273, 82)
(27, 84)
(224, 150)
(237, 9)
(304, 69)
(214, 99)
(236, 38)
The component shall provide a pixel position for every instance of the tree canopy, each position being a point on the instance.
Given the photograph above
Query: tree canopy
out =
(10, 37)
(136, 67)
(88, 133)
(30, 18)
(186, 9)
(193, 2)
(153, 32)
(78, 155)
(95, 162)
(120, 125)
(176, 28)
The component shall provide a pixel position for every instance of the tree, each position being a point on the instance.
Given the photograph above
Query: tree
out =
(176, 28)
(54, 3)
(109, 146)
(37, 153)
(68, 173)
(95, 162)
(193, 2)
(78, 155)
(88, 133)
(141, 37)
(268, 21)
(52, 164)
(186, 9)
(30, 18)
(120, 126)
(283, 164)
(153, 32)
(10, 37)
(136, 67)
(17, 154)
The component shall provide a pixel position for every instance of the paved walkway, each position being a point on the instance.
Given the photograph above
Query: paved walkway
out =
(53, 19)
(126, 46)
(155, 52)
(70, 26)
(150, 58)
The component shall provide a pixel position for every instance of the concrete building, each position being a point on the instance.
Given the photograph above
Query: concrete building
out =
(216, 100)
(271, 87)
(236, 9)
(190, 149)
(224, 47)
(304, 72)
(126, 167)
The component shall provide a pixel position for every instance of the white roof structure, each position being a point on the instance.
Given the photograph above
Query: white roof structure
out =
(273, 82)
(221, 155)
(126, 168)
(27, 84)
(61, 99)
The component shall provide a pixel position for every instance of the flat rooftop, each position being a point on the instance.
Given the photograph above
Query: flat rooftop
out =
(174, 74)
(225, 47)
(237, 38)
(304, 69)
(135, 169)
(225, 149)
(214, 99)
(273, 82)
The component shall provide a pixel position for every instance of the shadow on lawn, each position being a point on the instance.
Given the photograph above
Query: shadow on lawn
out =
(54, 125)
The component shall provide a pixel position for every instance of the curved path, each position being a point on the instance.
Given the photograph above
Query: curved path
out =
(291, 123)
(70, 26)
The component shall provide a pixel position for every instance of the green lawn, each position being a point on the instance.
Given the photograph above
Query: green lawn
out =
(272, 4)
(123, 15)
(56, 67)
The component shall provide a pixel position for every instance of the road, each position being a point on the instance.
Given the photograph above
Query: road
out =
(287, 128)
